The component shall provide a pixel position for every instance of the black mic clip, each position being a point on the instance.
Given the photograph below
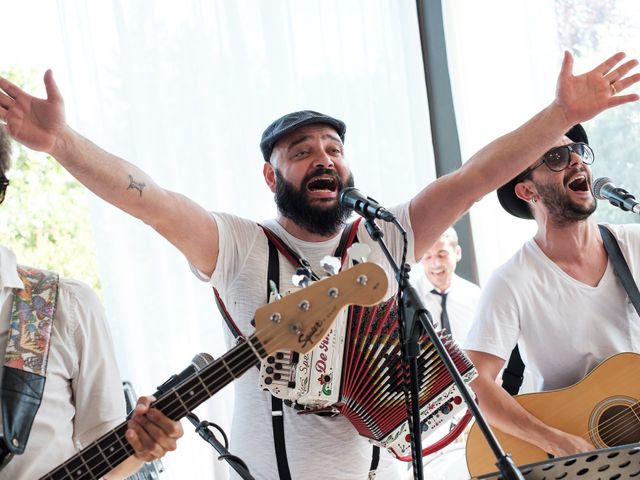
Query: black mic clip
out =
(367, 207)
(604, 189)
(622, 199)
(198, 362)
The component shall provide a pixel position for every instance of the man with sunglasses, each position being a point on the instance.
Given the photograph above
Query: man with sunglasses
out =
(557, 298)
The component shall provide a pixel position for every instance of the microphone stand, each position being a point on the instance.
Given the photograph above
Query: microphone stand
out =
(414, 321)
(203, 430)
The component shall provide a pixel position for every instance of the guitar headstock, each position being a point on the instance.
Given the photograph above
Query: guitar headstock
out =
(300, 320)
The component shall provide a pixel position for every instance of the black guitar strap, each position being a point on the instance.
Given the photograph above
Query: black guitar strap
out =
(514, 372)
(620, 266)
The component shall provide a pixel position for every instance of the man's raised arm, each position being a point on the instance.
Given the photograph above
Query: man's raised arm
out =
(578, 99)
(40, 124)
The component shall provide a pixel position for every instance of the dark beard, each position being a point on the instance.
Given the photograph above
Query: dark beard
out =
(561, 209)
(294, 205)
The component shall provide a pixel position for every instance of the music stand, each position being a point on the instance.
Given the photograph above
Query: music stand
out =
(615, 463)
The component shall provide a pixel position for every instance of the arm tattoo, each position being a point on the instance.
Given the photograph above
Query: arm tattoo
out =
(136, 185)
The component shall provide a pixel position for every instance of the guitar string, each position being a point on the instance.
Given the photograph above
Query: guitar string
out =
(177, 405)
(624, 430)
(214, 372)
(628, 418)
(116, 453)
(616, 418)
(120, 453)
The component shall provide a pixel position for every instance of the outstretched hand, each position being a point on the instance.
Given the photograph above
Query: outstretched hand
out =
(150, 432)
(34, 122)
(582, 97)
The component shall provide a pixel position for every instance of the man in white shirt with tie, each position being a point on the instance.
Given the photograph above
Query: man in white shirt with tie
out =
(441, 287)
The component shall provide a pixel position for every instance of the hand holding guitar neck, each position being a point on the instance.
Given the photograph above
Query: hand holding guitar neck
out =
(296, 322)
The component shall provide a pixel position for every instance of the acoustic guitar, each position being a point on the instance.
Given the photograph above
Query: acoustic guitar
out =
(296, 322)
(603, 408)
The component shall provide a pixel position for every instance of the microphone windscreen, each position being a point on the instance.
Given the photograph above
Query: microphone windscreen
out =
(597, 187)
(201, 360)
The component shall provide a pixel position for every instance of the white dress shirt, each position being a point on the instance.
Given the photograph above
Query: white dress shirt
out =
(462, 300)
(83, 396)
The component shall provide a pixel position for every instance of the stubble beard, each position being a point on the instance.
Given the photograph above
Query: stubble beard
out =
(562, 210)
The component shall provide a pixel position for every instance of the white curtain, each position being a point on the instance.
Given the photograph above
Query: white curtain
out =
(184, 90)
(504, 60)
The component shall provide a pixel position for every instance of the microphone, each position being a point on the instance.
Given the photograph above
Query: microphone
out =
(604, 189)
(198, 362)
(351, 197)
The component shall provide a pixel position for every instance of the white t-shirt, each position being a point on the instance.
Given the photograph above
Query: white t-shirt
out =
(462, 301)
(83, 396)
(564, 327)
(317, 447)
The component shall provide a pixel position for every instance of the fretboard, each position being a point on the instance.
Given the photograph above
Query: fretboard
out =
(112, 448)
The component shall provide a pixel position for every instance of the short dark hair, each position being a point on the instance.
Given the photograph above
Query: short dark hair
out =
(5, 151)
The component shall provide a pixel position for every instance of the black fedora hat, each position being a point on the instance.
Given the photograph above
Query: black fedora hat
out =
(507, 194)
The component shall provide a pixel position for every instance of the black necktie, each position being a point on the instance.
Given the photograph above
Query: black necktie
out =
(444, 317)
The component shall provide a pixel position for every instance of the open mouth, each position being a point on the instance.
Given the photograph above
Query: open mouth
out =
(579, 184)
(323, 184)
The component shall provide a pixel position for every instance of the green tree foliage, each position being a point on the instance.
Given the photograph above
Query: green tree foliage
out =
(591, 30)
(45, 216)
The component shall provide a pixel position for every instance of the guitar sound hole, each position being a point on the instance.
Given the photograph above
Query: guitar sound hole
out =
(620, 425)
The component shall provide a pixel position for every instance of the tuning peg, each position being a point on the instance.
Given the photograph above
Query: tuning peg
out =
(359, 252)
(302, 277)
(330, 265)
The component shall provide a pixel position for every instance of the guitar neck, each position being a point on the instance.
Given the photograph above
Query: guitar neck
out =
(112, 448)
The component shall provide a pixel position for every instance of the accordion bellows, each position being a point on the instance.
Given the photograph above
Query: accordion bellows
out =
(357, 371)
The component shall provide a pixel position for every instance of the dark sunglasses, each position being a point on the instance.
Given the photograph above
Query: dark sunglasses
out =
(4, 183)
(559, 158)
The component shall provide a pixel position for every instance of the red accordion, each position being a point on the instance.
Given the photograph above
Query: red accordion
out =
(357, 371)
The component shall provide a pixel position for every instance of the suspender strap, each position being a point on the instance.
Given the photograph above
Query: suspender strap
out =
(287, 251)
(26, 357)
(277, 408)
(273, 269)
(231, 325)
(620, 266)
(513, 375)
(375, 460)
(349, 235)
(277, 422)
